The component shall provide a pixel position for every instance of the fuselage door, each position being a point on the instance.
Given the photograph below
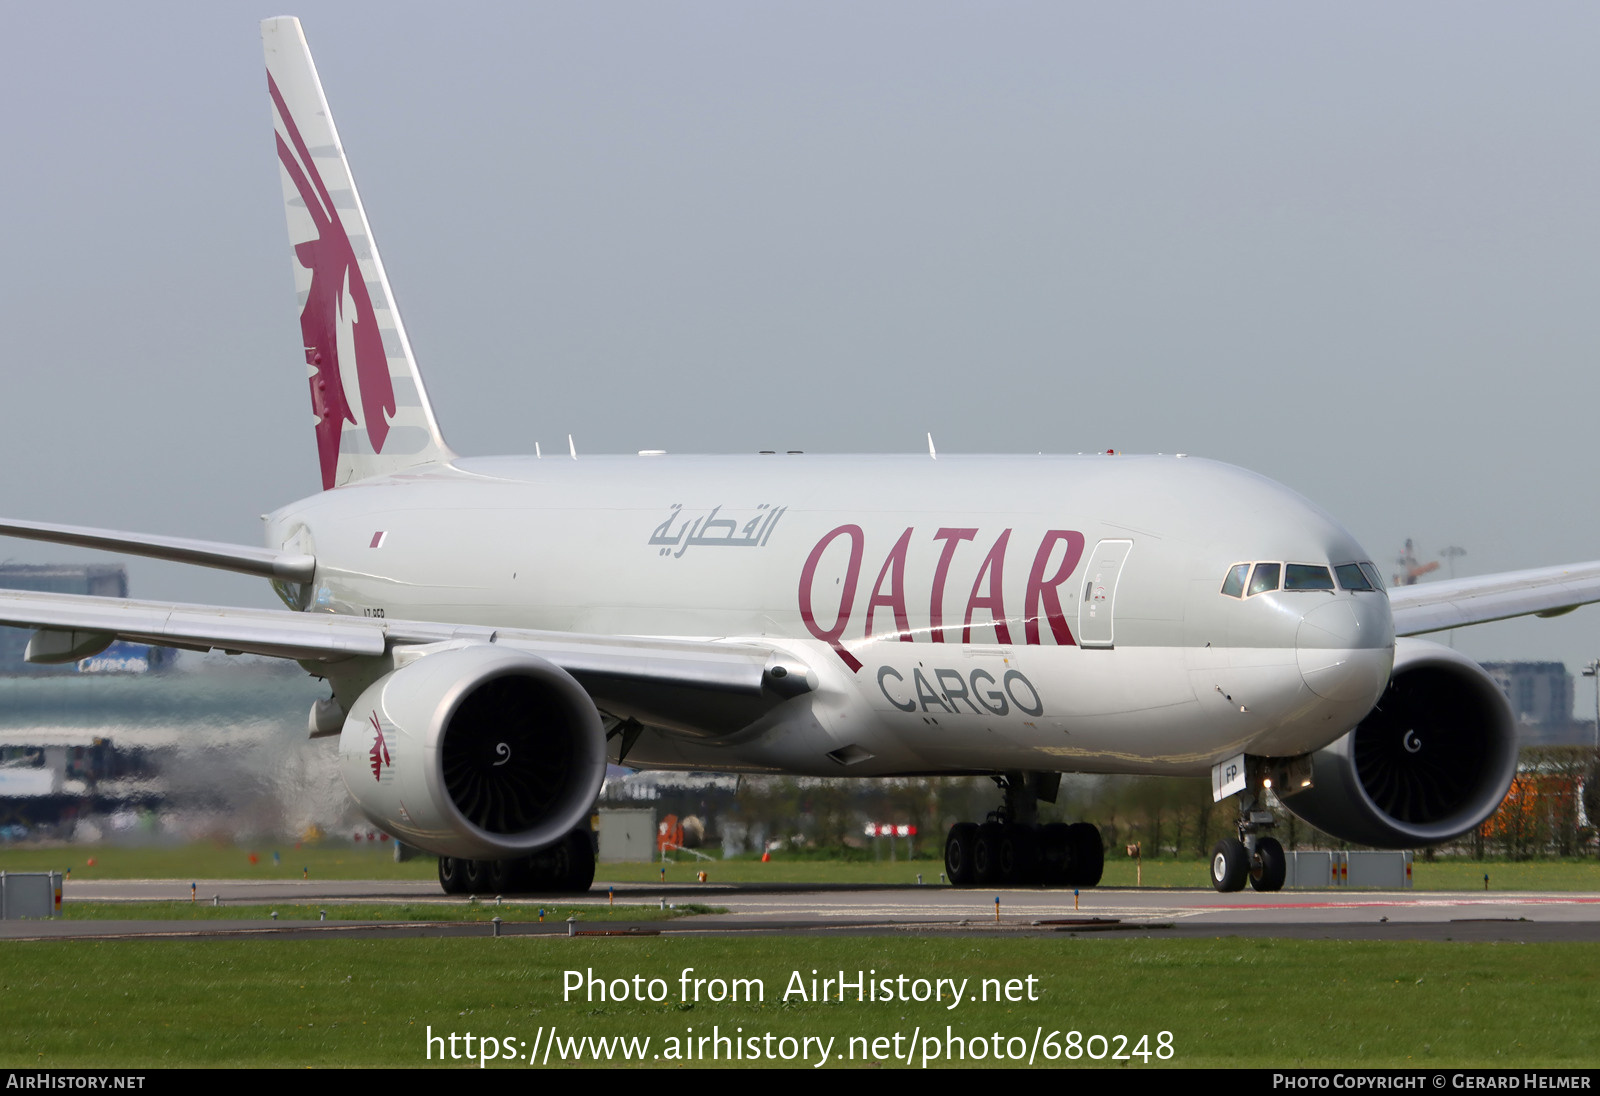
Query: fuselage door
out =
(1100, 592)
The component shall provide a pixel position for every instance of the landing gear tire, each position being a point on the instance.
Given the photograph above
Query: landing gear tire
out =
(580, 861)
(1230, 865)
(452, 875)
(566, 866)
(1020, 849)
(1268, 867)
(556, 868)
(509, 876)
(1088, 855)
(1010, 852)
(986, 853)
(475, 873)
(958, 850)
(1055, 853)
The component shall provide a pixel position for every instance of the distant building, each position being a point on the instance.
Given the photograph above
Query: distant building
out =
(215, 745)
(1541, 695)
(1540, 692)
(48, 779)
(95, 579)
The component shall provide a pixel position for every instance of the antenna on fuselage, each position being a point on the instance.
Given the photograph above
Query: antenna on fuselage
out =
(572, 447)
(931, 451)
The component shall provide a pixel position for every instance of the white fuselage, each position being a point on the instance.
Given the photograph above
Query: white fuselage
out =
(958, 615)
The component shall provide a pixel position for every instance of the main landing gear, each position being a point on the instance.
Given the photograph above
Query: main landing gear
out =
(564, 868)
(1251, 856)
(1011, 848)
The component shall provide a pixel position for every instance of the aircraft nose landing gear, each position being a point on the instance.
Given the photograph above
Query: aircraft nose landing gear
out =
(1251, 856)
(1232, 863)
(1268, 868)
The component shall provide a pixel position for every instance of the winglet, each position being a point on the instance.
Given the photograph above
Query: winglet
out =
(372, 412)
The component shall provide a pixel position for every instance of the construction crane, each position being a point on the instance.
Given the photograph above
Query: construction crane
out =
(1410, 569)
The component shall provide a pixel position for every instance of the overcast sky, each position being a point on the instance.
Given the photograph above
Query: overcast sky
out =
(1353, 247)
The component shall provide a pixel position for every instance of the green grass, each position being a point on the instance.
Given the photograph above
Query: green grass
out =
(207, 860)
(1535, 875)
(1528, 875)
(520, 910)
(346, 861)
(1227, 1002)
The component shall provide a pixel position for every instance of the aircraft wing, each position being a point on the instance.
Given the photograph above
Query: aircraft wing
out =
(264, 562)
(626, 675)
(1457, 602)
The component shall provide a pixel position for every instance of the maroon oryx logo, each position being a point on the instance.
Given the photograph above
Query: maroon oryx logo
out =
(380, 749)
(336, 284)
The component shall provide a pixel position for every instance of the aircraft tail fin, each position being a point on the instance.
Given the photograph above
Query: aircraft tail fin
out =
(372, 413)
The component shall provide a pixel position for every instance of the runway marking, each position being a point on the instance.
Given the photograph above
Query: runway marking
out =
(1461, 900)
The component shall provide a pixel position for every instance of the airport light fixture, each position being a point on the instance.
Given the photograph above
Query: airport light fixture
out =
(1593, 670)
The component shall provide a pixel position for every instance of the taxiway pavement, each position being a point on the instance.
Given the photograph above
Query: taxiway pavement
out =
(899, 909)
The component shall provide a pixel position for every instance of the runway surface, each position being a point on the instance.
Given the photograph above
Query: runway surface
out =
(813, 909)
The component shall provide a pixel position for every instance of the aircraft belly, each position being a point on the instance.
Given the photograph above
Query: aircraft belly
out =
(1060, 708)
(1152, 709)
(1258, 698)
(983, 709)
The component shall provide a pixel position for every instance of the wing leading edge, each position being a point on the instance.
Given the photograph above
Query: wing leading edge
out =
(1458, 602)
(631, 671)
(263, 562)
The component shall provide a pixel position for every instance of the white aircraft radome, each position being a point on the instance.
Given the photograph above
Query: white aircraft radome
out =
(494, 630)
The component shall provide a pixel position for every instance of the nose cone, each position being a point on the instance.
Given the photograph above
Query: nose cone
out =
(1345, 648)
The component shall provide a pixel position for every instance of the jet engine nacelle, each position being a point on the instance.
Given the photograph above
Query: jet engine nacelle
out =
(1430, 762)
(478, 752)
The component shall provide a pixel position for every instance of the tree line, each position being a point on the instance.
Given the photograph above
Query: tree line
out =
(1551, 810)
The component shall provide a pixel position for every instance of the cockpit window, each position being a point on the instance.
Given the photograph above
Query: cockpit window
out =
(1264, 579)
(1351, 577)
(1247, 580)
(1233, 585)
(1303, 576)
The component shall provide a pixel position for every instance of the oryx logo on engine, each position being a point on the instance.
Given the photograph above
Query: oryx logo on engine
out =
(380, 749)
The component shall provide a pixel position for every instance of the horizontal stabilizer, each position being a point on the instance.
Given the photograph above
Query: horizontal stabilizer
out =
(264, 562)
(1457, 602)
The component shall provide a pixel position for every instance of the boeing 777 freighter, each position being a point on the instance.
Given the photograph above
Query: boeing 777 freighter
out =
(495, 630)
